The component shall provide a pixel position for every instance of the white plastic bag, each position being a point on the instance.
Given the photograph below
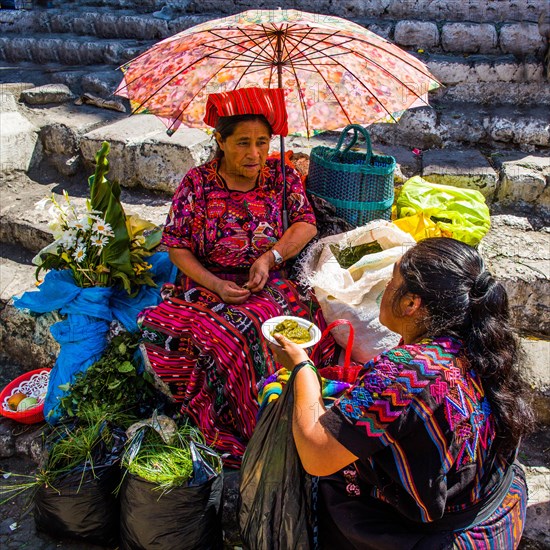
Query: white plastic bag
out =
(355, 293)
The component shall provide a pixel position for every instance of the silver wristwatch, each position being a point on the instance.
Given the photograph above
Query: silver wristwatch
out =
(278, 258)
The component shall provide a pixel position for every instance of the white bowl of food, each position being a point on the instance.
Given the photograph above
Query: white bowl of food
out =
(302, 332)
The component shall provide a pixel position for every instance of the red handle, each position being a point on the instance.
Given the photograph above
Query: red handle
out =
(349, 345)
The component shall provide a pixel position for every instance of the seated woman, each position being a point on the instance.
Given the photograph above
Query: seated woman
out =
(225, 234)
(420, 452)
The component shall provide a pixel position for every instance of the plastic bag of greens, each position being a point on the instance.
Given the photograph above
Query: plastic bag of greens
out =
(171, 493)
(275, 511)
(459, 213)
(78, 501)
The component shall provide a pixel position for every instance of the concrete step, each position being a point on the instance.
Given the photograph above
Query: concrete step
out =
(521, 38)
(102, 22)
(469, 10)
(470, 124)
(69, 49)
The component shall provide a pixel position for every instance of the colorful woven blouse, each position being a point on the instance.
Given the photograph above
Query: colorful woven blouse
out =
(226, 228)
(420, 423)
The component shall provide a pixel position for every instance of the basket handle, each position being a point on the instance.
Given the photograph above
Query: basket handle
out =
(349, 345)
(356, 130)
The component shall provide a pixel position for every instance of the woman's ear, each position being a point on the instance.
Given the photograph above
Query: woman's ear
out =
(410, 304)
(219, 140)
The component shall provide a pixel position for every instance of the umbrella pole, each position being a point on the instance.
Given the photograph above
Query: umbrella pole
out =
(279, 48)
(283, 172)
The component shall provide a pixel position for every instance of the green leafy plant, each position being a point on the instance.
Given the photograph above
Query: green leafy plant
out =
(99, 244)
(113, 381)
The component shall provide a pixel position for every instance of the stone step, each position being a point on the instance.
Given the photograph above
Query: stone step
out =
(468, 10)
(489, 79)
(144, 156)
(142, 5)
(70, 135)
(470, 124)
(24, 224)
(520, 38)
(100, 22)
(485, 80)
(69, 49)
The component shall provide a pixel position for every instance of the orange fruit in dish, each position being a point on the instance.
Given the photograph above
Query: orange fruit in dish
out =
(15, 399)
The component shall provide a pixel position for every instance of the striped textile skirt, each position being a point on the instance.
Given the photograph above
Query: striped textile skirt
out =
(213, 356)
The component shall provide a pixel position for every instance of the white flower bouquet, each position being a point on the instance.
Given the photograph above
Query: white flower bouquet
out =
(99, 243)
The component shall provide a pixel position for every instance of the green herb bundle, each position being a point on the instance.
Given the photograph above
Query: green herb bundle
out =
(166, 464)
(112, 383)
(67, 448)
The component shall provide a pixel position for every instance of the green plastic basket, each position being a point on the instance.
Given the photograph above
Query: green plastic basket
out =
(359, 185)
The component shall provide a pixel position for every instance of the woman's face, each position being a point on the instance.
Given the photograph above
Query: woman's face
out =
(387, 314)
(246, 150)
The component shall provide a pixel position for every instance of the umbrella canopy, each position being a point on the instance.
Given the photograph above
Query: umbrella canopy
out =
(334, 72)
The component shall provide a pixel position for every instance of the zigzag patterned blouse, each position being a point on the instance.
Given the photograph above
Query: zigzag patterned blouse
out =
(421, 425)
(226, 228)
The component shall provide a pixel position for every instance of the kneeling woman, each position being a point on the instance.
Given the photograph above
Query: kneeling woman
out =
(420, 452)
(225, 234)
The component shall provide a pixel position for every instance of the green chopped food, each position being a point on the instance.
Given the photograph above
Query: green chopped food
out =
(293, 331)
(350, 255)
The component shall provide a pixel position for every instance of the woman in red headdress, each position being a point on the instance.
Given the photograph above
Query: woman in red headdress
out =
(225, 234)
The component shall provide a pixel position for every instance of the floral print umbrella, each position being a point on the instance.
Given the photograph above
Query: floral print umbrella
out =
(334, 72)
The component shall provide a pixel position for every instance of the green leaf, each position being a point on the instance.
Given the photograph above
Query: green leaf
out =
(105, 197)
(126, 367)
(65, 387)
(114, 384)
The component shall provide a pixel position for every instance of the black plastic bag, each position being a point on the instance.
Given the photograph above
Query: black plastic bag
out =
(81, 504)
(183, 518)
(275, 511)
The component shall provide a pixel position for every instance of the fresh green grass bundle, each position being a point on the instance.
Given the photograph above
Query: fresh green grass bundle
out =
(166, 464)
(68, 447)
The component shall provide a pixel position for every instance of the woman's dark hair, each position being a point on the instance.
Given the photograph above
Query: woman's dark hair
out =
(462, 299)
(226, 126)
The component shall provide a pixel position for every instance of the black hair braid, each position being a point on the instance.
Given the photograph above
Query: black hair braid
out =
(462, 299)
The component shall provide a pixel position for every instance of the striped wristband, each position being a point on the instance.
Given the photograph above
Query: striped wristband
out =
(306, 363)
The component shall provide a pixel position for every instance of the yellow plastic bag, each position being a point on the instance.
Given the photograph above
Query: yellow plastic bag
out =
(459, 213)
(420, 227)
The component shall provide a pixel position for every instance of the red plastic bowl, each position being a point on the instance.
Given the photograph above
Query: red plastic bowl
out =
(34, 382)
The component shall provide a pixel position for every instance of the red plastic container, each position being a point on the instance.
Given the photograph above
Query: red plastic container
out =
(33, 384)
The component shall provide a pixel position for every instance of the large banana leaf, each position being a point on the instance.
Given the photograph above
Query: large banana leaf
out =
(105, 197)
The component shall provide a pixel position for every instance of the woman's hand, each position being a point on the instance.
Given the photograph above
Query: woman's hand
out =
(230, 292)
(259, 273)
(287, 353)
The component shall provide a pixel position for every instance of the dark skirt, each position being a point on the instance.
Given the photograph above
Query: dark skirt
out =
(348, 522)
